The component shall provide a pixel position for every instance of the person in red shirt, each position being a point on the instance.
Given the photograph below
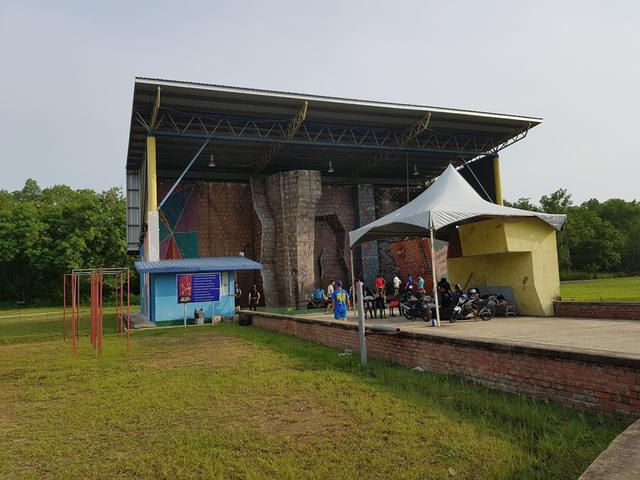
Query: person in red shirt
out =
(380, 284)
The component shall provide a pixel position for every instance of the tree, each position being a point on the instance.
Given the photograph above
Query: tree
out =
(593, 243)
(557, 202)
(523, 204)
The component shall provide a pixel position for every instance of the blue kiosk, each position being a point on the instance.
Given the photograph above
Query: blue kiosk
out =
(174, 288)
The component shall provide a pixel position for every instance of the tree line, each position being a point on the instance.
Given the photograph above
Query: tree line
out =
(45, 233)
(598, 236)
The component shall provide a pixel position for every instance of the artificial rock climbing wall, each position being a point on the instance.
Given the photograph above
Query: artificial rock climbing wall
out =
(290, 222)
(292, 198)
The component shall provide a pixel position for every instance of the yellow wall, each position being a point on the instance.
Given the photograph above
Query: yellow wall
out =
(519, 253)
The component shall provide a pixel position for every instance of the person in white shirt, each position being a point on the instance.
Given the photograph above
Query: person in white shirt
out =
(330, 290)
(396, 284)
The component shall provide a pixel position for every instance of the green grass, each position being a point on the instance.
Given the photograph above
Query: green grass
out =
(623, 289)
(241, 403)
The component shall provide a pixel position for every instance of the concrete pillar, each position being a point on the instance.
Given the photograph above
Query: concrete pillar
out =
(152, 243)
(266, 253)
(292, 198)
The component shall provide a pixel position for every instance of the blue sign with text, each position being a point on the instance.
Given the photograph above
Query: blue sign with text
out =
(193, 287)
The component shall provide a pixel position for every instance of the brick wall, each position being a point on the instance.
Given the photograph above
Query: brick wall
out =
(612, 310)
(609, 385)
(226, 225)
(335, 217)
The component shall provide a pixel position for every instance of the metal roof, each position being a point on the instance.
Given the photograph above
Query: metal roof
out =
(204, 264)
(362, 138)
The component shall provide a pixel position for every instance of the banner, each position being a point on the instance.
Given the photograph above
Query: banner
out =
(204, 287)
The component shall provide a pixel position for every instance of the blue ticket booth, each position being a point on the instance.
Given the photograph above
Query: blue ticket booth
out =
(169, 288)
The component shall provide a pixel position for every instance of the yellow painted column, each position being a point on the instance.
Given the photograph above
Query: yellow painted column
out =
(497, 179)
(153, 224)
(152, 180)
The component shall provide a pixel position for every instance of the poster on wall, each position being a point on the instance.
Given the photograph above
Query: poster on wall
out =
(202, 287)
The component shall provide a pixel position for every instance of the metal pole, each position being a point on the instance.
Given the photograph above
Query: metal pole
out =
(433, 273)
(64, 305)
(73, 315)
(128, 309)
(363, 346)
(353, 282)
(184, 172)
(185, 314)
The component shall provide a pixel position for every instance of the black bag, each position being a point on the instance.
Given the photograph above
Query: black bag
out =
(244, 320)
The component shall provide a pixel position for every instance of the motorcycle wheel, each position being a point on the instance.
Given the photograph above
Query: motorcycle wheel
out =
(426, 316)
(406, 313)
(487, 313)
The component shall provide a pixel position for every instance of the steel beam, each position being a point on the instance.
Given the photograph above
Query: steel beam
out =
(415, 130)
(154, 112)
(184, 172)
(292, 129)
(417, 139)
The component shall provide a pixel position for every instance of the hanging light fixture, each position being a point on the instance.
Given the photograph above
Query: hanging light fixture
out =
(415, 170)
(211, 162)
(330, 167)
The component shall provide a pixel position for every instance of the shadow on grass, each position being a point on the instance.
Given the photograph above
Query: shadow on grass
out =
(563, 441)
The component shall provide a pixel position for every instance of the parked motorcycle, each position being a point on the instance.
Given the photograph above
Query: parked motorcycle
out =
(414, 306)
(471, 305)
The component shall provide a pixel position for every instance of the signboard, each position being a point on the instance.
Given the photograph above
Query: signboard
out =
(198, 287)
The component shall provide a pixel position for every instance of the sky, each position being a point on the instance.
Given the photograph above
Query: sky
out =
(68, 68)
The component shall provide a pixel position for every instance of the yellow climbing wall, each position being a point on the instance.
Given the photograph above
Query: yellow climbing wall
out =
(517, 253)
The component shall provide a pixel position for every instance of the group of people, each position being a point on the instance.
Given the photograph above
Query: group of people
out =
(254, 296)
(377, 300)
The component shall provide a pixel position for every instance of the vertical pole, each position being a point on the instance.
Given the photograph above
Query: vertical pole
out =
(363, 346)
(78, 300)
(185, 314)
(64, 305)
(128, 309)
(353, 282)
(497, 179)
(100, 316)
(73, 315)
(433, 274)
(121, 326)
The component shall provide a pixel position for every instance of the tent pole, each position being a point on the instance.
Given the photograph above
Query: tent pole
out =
(353, 282)
(433, 273)
(361, 326)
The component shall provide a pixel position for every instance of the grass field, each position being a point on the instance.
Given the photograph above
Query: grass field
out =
(240, 403)
(623, 289)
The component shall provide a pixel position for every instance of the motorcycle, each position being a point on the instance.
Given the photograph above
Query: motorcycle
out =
(470, 304)
(414, 306)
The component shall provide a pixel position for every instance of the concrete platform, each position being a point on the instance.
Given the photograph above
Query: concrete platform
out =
(617, 338)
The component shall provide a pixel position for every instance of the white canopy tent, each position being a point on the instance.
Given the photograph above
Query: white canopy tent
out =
(450, 201)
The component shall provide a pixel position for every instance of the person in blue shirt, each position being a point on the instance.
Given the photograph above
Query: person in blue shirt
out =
(340, 298)
(409, 283)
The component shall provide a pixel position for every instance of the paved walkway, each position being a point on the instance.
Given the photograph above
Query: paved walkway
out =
(604, 337)
(620, 461)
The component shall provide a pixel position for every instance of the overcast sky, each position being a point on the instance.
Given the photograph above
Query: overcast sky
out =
(68, 67)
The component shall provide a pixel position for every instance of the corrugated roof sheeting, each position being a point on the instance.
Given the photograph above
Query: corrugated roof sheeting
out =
(204, 264)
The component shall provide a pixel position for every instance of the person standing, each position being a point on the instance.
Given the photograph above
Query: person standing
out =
(420, 283)
(380, 284)
(409, 283)
(396, 284)
(340, 298)
(237, 294)
(330, 290)
(254, 298)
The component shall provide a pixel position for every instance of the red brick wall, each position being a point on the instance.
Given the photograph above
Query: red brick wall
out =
(611, 310)
(582, 381)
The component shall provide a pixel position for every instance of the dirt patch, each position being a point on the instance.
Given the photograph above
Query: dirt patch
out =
(210, 351)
